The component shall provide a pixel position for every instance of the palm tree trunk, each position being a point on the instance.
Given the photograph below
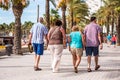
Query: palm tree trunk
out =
(118, 31)
(17, 10)
(112, 22)
(47, 14)
(71, 14)
(64, 17)
(107, 24)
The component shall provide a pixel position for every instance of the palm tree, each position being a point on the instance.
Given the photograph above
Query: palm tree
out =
(118, 25)
(53, 16)
(47, 14)
(2, 29)
(63, 6)
(116, 7)
(11, 25)
(26, 28)
(17, 7)
(78, 10)
(104, 10)
(112, 12)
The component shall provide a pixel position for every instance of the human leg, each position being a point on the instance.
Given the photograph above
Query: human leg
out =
(35, 56)
(96, 63)
(36, 67)
(89, 54)
(79, 53)
(74, 57)
(37, 60)
(89, 61)
(114, 44)
(38, 52)
(96, 55)
(78, 59)
(52, 51)
(57, 57)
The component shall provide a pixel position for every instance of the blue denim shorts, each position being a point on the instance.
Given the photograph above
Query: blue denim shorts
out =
(92, 51)
(38, 48)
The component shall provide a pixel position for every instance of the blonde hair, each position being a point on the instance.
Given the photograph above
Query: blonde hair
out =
(75, 28)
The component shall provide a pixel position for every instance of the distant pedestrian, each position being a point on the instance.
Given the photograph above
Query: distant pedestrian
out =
(109, 40)
(57, 38)
(93, 42)
(113, 39)
(37, 34)
(76, 46)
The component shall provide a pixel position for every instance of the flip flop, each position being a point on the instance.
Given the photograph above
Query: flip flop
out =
(76, 70)
(37, 69)
(89, 70)
(97, 67)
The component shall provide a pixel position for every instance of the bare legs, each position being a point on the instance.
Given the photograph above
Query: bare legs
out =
(96, 63)
(89, 61)
(76, 61)
(37, 59)
(96, 60)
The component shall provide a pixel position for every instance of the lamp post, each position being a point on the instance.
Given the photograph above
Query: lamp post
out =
(37, 13)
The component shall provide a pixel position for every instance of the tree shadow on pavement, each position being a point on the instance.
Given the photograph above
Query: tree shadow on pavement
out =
(5, 57)
(14, 66)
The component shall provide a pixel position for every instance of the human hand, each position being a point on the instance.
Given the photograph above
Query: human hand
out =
(101, 46)
(83, 48)
(29, 43)
(69, 48)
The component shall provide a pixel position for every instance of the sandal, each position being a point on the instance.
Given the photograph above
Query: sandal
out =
(89, 70)
(75, 69)
(37, 69)
(97, 67)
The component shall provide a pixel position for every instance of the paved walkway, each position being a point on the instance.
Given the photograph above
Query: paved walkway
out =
(21, 67)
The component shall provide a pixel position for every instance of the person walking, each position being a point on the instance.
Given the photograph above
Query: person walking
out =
(113, 39)
(93, 40)
(76, 46)
(109, 40)
(37, 34)
(57, 38)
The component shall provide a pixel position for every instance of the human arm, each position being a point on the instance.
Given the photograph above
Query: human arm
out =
(30, 35)
(83, 41)
(45, 36)
(48, 36)
(30, 38)
(46, 39)
(100, 39)
(84, 37)
(64, 36)
(69, 40)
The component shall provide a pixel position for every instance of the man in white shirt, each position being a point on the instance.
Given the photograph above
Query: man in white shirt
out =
(36, 37)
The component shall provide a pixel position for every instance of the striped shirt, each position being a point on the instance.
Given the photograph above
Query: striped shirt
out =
(38, 31)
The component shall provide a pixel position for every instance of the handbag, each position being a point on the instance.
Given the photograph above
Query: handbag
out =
(30, 48)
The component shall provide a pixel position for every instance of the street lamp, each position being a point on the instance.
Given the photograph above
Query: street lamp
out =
(37, 12)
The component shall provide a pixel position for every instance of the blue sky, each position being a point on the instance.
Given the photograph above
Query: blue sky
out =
(30, 13)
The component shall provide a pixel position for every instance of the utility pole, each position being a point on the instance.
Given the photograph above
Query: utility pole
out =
(37, 13)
